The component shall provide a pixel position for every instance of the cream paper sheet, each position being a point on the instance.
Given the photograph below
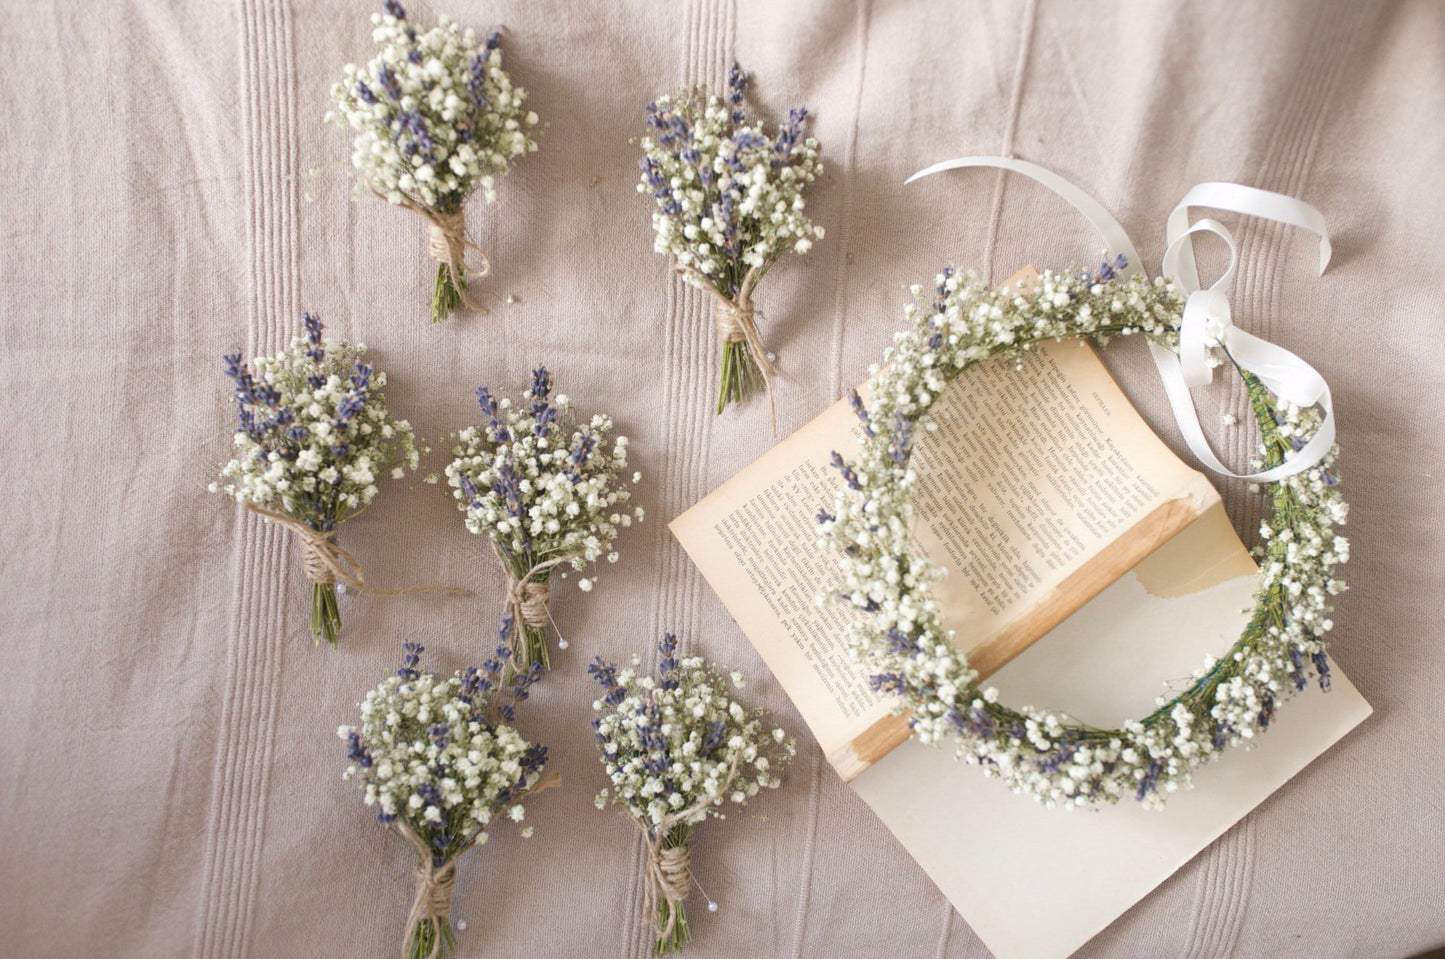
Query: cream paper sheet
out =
(1036, 883)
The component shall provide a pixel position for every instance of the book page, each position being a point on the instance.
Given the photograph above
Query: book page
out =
(1040, 486)
(1104, 664)
(755, 540)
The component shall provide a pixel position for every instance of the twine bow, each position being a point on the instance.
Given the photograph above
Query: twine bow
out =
(447, 244)
(736, 321)
(669, 869)
(325, 561)
(529, 595)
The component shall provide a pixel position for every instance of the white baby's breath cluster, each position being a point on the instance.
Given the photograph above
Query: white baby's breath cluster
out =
(315, 434)
(679, 741)
(1228, 702)
(435, 754)
(728, 194)
(541, 486)
(435, 115)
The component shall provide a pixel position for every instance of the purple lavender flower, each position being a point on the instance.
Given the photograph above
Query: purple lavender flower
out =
(389, 82)
(357, 751)
(737, 86)
(1150, 781)
(850, 475)
(605, 675)
(477, 82)
(408, 672)
(890, 683)
(902, 441)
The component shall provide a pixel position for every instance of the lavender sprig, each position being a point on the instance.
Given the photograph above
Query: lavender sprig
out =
(729, 201)
(547, 492)
(313, 437)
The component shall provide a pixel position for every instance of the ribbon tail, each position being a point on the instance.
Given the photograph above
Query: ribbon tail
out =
(1182, 403)
(1115, 237)
(1250, 201)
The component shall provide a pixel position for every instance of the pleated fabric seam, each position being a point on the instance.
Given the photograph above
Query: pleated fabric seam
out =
(1223, 890)
(241, 775)
(691, 357)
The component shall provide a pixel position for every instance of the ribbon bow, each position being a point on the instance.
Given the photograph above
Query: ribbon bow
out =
(1207, 322)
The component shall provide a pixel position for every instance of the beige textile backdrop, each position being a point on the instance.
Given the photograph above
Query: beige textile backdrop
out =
(169, 771)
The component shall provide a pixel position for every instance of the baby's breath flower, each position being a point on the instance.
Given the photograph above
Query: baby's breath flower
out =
(314, 435)
(546, 490)
(1228, 701)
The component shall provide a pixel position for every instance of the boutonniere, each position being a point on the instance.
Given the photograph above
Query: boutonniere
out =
(549, 491)
(729, 202)
(678, 749)
(440, 762)
(436, 119)
(314, 439)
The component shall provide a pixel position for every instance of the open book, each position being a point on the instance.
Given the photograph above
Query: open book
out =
(1040, 487)
(1087, 566)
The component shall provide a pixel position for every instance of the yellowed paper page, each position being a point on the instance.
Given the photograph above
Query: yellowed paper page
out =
(755, 541)
(1039, 488)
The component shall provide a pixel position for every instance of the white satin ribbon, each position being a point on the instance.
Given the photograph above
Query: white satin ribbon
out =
(1207, 320)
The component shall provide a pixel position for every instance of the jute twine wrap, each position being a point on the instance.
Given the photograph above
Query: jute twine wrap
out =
(669, 869)
(433, 902)
(530, 600)
(529, 595)
(447, 244)
(736, 321)
(325, 561)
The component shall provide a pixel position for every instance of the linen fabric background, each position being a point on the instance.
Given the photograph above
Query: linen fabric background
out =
(169, 769)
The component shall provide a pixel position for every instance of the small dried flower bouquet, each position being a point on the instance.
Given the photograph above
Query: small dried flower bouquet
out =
(436, 118)
(547, 491)
(729, 198)
(677, 748)
(314, 436)
(440, 762)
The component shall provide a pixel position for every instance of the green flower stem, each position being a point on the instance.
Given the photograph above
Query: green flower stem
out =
(532, 647)
(534, 639)
(424, 939)
(325, 613)
(740, 377)
(447, 296)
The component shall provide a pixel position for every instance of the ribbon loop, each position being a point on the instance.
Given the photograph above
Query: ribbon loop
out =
(1207, 322)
